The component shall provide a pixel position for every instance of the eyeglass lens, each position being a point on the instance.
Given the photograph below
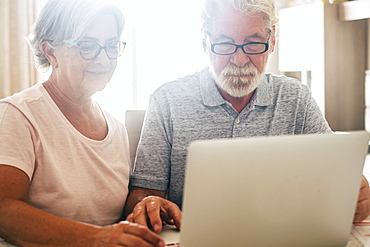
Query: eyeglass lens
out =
(251, 48)
(90, 50)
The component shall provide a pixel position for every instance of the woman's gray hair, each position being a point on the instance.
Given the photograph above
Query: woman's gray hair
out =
(212, 8)
(65, 21)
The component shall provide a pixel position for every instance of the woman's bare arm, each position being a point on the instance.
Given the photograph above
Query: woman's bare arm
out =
(25, 225)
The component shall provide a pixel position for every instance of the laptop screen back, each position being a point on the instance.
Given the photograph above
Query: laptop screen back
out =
(272, 191)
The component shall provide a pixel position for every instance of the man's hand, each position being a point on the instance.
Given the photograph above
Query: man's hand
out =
(152, 211)
(363, 202)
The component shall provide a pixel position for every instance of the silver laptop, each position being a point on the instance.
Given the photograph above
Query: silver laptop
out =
(272, 191)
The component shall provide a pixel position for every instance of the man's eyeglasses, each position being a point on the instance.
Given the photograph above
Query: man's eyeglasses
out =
(89, 50)
(251, 48)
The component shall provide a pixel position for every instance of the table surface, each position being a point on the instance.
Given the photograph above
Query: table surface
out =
(352, 242)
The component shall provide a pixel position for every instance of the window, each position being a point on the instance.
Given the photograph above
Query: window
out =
(163, 43)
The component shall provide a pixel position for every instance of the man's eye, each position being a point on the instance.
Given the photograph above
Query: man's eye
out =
(254, 47)
(224, 47)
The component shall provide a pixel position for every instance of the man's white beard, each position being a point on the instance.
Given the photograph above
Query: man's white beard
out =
(238, 81)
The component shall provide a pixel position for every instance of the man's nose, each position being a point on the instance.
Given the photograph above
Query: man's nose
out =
(239, 58)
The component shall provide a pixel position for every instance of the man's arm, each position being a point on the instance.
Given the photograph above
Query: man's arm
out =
(148, 207)
(363, 202)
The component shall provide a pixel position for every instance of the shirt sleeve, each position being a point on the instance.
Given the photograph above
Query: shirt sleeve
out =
(314, 120)
(152, 165)
(17, 135)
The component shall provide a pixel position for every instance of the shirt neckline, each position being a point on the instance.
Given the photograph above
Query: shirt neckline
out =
(67, 123)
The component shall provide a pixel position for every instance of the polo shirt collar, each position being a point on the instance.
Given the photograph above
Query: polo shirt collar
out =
(212, 97)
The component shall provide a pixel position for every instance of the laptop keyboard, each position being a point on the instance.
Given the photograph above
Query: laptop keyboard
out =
(354, 242)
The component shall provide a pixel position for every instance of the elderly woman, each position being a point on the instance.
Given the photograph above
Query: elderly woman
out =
(64, 162)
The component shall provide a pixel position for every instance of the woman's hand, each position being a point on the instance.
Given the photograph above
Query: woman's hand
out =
(123, 233)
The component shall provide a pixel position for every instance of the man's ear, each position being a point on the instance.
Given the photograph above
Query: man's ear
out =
(273, 40)
(204, 41)
(49, 54)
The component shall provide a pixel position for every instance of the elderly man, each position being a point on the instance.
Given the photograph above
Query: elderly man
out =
(232, 97)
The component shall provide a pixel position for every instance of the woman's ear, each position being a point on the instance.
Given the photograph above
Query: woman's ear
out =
(49, 54)
(205, 46)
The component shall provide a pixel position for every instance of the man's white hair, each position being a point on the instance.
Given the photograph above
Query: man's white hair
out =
(267, 8)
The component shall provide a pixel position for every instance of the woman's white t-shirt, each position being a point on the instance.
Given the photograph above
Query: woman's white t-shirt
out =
(71, 176)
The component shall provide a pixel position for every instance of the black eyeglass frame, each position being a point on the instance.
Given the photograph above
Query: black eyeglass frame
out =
(122, 43)
(267, 46)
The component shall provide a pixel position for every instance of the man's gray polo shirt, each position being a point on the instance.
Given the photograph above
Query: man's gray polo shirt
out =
(192, 108)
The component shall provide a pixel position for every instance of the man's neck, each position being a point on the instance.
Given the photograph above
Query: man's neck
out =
(239, 103)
